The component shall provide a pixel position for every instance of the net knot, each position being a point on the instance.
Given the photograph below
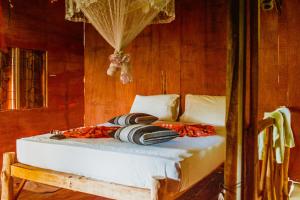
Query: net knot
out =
(120, 61)
(118, 58)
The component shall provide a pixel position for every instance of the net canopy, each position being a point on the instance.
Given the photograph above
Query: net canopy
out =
(119, 22)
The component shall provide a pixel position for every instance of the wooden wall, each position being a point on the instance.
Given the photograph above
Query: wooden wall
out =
(37, 24)
(191, 51)
(279, 68)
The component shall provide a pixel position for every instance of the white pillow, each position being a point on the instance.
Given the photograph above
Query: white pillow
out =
(204, 109)
(165, 107)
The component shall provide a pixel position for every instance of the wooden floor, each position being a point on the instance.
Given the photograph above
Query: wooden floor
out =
(208, 189)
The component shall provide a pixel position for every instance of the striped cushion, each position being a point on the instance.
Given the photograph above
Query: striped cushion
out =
(133, 118)
(144, 134)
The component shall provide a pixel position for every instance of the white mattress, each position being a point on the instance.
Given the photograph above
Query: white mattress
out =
(187, 160)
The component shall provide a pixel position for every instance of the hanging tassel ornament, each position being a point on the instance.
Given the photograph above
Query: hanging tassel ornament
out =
(120, 61)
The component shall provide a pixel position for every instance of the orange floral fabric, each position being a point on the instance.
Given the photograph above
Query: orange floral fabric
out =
(195, 130)
(90, 132)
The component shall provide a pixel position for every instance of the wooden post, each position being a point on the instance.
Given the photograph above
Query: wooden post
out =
(6, 178)
(236, 68)
(158, 189)
(154, 189)
(250, 160)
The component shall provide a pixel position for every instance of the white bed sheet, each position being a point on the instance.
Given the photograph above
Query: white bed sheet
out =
(186, 159)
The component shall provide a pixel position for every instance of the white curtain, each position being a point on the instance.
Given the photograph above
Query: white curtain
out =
(119, 22)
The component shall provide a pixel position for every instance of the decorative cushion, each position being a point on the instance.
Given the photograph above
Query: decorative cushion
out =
(165, 107)
(144, 134)
(204, 109)
(133, 118)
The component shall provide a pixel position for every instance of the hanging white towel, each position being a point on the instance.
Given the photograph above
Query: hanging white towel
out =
(282, 133)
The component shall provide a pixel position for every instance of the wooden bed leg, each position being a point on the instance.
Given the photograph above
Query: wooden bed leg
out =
(9, 158)
(158, 188)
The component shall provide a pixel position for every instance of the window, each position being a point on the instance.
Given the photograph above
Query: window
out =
(23, 79)
(5, 81)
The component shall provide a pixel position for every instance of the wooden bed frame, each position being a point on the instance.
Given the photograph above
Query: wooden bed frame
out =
(162, 189)
(11, 168)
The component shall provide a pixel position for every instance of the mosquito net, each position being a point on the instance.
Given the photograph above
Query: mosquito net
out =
(119, 22)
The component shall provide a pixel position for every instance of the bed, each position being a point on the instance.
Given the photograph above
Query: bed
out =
(118, 170)
(179, 163)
